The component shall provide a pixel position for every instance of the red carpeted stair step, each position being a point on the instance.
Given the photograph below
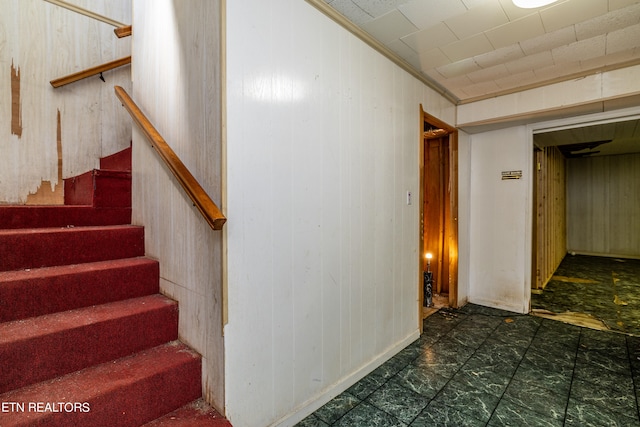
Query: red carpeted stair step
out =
(126, 392)
(46, 247)
(99, 188)
(41, 348)
(195, 414)
(120, 161)
(12, 217)
(30, 293)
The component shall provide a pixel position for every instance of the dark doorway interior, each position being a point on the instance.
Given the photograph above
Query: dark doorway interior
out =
(439, 211)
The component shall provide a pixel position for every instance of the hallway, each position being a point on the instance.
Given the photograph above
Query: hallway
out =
(484, 367)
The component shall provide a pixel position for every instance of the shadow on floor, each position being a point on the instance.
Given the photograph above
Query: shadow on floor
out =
(597, 292)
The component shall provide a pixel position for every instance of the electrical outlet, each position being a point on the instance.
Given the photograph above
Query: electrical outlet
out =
(408, 197)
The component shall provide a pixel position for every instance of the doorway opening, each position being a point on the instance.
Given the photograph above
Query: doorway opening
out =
(438, 215)
(586, 237)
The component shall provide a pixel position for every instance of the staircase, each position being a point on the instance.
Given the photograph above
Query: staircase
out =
(85, 337)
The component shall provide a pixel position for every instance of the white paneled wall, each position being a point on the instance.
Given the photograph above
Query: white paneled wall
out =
(500, 220)
(323, 138)
(45, 42)
(176, 82)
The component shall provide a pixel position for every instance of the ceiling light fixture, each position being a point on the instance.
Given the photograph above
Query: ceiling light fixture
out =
(530, 4)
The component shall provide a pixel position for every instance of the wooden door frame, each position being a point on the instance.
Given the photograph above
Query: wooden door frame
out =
(453, 180)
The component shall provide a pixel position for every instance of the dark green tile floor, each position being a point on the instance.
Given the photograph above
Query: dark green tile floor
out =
(484, 367)
(606, 289)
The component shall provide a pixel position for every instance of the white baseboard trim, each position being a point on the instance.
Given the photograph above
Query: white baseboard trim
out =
(315, 403)
(516, 308)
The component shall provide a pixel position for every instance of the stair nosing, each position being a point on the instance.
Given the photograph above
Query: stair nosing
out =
(110, 376)
(62, 270)
(48, 324)
(66, 229)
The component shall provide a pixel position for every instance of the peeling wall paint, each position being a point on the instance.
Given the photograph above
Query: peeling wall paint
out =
(16, 116)
(38, 43)
(51, 193)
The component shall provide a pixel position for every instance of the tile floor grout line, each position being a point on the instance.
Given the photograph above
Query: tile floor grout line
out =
(361, 401)
(633, 377)
(456, 372)
(474, 348)
(431, 345)
(573, 373)
(449, 379)
(516, 370)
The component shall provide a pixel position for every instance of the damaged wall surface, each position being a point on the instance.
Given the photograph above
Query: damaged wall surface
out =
(82, 121)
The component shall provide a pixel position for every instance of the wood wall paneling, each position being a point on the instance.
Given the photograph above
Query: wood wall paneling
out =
(603, 205)
(550, 210)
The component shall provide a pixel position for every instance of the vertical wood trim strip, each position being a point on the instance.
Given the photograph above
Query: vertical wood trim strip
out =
(453, 241)
(551, 214)
(421, 260)
(59, 146)
(223, 154)
(16, 107)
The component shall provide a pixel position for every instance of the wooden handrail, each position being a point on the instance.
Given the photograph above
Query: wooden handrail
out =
(123, 31)
(194, 190)
(86, 12)
(90, 72)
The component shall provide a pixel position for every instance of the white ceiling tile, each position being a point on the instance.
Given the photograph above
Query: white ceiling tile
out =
(475, 48)
(459, 81)
(481, 89)
(580, 51)
(514, 12)
(611, 59)
(491, 73)
(531, 62)
(435, 75)
(460, 93)
(433, 59)
(389, 27)
(548, 41)
(624, 39)
(571, 12)
(430, 38)
(377, 8)
(514, 80)
(467, 48)
(425, 14)
(617, 4)
(499, 56)
(459, 68)
(552, 72)
(351, 11)
(477, 20)
(405, 52)
(516, 31)
(612, 21)
(470, 4)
